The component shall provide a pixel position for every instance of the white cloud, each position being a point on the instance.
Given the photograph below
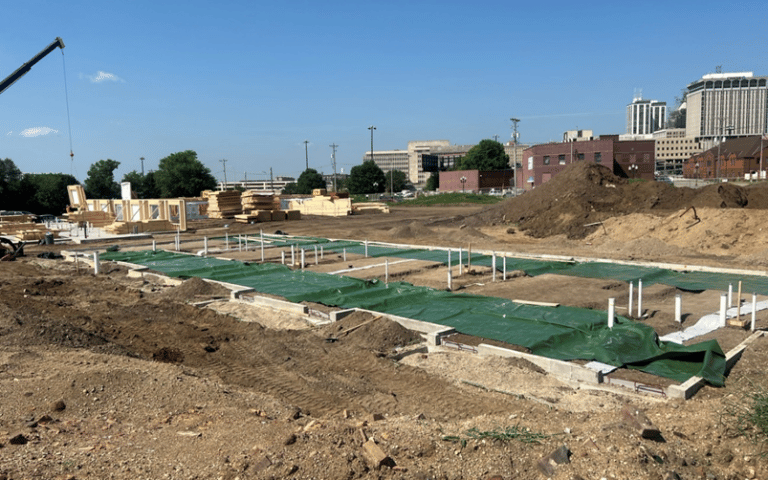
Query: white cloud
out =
(104, 77)
(37, 131)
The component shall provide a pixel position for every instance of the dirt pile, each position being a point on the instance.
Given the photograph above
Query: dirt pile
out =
(584, 194)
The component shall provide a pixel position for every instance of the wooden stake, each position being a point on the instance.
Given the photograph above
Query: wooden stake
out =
(738, 303)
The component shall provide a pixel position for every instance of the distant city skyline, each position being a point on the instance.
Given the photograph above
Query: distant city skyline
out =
(250, 82)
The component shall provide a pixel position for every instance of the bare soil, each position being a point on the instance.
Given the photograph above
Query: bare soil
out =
(115, 377)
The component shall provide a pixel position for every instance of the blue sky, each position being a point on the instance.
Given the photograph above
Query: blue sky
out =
(249, 81)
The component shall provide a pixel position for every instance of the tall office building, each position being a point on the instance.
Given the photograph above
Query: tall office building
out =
(645, 116)
(727, 105)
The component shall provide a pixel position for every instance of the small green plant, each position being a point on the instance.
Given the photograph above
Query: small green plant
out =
(516, 432)
(749, 417)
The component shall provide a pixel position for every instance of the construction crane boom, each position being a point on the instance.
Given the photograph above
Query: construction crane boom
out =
(11, 79)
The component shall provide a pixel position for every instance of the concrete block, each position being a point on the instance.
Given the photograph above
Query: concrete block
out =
(273, 303)
(558, 368)
(339, 314)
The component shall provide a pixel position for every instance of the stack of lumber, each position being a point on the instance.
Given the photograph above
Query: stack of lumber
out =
(368, 208)
(268, 216)
(251, 201)
(323, 205)
(125, 228)
(225, 204)
(25, 231)
(96, 218)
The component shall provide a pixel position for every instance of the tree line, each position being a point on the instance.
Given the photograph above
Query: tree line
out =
(178, 175)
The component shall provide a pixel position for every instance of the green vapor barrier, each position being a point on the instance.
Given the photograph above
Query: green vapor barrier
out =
(564, 333)
(690, 281)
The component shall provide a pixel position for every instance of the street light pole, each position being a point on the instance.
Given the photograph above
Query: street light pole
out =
(371, 128)
(463, 181)
(514, 151)
(306, 153)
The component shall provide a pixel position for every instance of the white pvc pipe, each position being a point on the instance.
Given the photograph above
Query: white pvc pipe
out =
(504, 268)
(344, 254)
(493, 265)
(240, 242)
(386, 271)
(679, 308)
(639, 299)
(316, 259)
(205, 246)
(450, 280)
(282, 257)
(322, 256)
(226, 240)
(261, 232)
(611, 311)
(96, 266)
(366, 249)
(154, 245)
(631, 297)
(293, 256)
(723, 308)
(302, 259)
(246, 242)
(730, 295)
(460, 263)
(754, 311)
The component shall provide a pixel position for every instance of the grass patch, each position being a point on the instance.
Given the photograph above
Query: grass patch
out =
(750, 418)
(521, 434)
(451, 199)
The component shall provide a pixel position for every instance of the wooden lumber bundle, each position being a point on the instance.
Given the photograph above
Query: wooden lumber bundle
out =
(224, 204)
(96, 218)
(323, 205)
(251, 200)
(369, 208)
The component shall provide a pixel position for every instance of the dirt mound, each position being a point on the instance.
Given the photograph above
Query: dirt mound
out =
(584, 194)
(195, 290)
(372, 332)
(411, 230)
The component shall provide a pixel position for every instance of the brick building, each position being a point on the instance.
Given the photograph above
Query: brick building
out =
(739, 159)
(476, 181)
(628, 159)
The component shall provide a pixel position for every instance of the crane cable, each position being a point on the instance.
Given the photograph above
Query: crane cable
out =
(69, 122)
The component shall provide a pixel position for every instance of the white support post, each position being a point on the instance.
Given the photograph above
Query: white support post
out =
(293, 256)
(723, 308)
(730, 295)
(504, 268)
(316, 258)
(344, 254)
(261, 233)
(386, 271)
(321, 253)
(450, 280)
(679, 308)
(366, 249)
(469, 257)
(754, 311)
(639, 299)
(461, 265)
(246, 242)
(154, 245)
(96, 265)
(449, 259)
(239, 242)
(611, 311)
(226, 240)
(493, 266)
(205, 246)
(631, 298)
(282, 257)
(302, 259)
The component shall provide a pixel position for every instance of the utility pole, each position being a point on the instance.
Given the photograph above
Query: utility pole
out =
(306, 153)
(142, 166)
(371, 128)
(333, 162)
(224, 163)
(495, 138)
(514, 150)
(271, 181)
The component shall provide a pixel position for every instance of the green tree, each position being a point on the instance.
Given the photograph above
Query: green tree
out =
(143, 186)
(366, 178)
(486, 155)
(433, 182)
(308, 181)
(290, 189)
(181, 174)
(45, 192)
(395, 181)
(101, 182)
(10, 177)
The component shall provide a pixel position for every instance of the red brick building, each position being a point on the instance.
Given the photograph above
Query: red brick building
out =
(628, 159)
(475, 180)
(739, 157)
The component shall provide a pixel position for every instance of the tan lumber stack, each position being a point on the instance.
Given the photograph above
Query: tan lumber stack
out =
(369, 208)
(96, 218)
(225, 204)
(251, 201)
(323, 205)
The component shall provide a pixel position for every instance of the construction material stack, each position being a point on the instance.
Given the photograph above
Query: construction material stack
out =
(224, 204)
(333, 205)
(263, 208)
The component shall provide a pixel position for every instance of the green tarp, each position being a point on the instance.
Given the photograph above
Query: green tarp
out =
(564, 333)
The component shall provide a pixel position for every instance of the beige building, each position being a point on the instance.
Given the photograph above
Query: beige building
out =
(411, 161)
(673, 148)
